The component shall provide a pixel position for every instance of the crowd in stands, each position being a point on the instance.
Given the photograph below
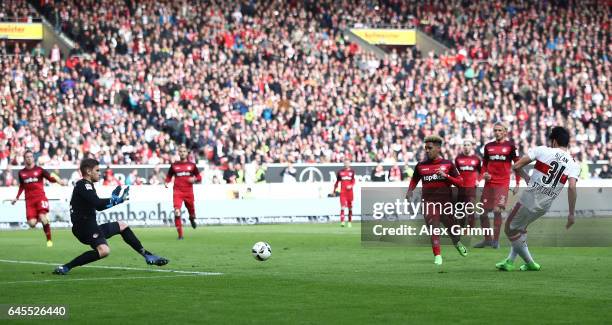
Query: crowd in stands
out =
(276, 81)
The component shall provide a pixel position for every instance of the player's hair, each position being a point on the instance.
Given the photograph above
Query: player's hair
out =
(87, 164)
(470, 141)
(561, 135)
(27, 152)
(503, 125)
(434, 139)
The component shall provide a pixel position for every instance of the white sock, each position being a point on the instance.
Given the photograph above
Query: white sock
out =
(512, 255)
(520, 247)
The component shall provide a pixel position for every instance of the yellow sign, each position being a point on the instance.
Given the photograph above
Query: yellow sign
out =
(386, 36)
(25, 31)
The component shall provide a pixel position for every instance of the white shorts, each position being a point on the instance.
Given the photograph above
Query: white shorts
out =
(520, 217)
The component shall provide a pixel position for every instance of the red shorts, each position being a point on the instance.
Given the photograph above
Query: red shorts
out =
(346, 200)
(36, 207)
(494, 196)
(180, 197)
(466, 194)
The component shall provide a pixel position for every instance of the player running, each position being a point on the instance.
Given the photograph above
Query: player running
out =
(437, 175)
(83, 206)
(497, 167)
(31, 180)
(554, 167)
(468, 165)
(346, 178)
(185, 174)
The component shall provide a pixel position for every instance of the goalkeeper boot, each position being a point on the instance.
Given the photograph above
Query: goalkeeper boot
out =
(61, 270)
(438, 260)
(531, 266)
(505, 265)
(153, 259)
(461, 249)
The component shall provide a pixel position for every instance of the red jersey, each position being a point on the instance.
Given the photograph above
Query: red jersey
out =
(182, 171)
(31, 180)
(469, 169)
(435, 187)
(346, 178)
(498, 158)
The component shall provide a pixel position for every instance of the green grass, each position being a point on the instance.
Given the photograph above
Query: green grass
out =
(317, 274)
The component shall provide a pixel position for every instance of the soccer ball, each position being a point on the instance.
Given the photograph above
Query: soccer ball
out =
(261, 251)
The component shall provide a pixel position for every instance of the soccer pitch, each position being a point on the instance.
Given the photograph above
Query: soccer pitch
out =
(318, 273)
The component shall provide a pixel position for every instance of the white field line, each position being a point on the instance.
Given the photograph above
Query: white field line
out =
(117, 268)
(67, 279)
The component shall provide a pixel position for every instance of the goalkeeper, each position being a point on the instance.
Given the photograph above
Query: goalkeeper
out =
(83, 206)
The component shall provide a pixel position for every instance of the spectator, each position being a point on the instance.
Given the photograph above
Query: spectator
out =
(378, 174)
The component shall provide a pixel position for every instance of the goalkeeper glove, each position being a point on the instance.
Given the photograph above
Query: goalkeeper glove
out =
(115, 197)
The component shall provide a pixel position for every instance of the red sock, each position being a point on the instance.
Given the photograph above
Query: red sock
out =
(47, 230)
(484, 223)
(435, 244)
(350, 215)
(342, 215)
(179, 226)
(497, 222)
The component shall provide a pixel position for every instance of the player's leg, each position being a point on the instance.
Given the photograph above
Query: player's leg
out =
(471, 198)
(189, 204)
(343, 205)
(501, 195)
(432, 220)
(516, 230)
(349, 205)
(121, 227)
(449, 222)
(44, 220)
(488, 201)
(93, 237)
(178, 203)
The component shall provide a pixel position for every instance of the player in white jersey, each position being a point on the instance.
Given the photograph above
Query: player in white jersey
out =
(554, 167)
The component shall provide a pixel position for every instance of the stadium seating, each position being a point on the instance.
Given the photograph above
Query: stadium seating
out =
(278, 82)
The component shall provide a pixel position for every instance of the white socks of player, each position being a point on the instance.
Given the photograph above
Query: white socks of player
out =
(519, 247)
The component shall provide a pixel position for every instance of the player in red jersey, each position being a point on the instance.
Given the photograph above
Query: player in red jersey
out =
(437, 175)
(497, 167)
(185, 174)
(468, 165)
(346, 178)
(31, 180)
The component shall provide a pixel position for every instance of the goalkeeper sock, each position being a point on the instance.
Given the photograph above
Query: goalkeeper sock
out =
(85, 258)
(130, 238)
(484, 223)
(520, 247)
(497, 222)
(179, 226)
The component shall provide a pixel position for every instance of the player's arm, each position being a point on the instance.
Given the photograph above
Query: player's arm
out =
(21, 189)
(485, 164)
(52, 178)
(414, 181)
(517, 167)
(517, 172)
(336, 183)
(86, 192)
(453, 176)
(197, 176)
(571, 202)
(169, 176)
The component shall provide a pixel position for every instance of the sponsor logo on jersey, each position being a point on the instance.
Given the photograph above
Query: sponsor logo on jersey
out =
(467, 168)
(497, 157)
(30, 180)
(88, 187)
(183, 174)
(346, 178)
(434, 177)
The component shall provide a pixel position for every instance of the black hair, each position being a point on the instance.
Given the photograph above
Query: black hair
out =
(561, 135)
(87, 164)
